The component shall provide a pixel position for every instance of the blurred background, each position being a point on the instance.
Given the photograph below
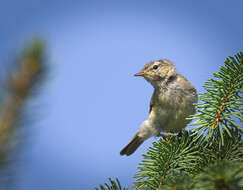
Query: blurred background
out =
(90, 105)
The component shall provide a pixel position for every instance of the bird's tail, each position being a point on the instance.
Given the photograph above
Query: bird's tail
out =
(132, 146)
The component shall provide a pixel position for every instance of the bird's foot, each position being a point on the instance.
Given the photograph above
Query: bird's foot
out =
(166, 135)
(179, 134)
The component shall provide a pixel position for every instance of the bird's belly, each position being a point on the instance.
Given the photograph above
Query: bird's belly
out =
(167, 119)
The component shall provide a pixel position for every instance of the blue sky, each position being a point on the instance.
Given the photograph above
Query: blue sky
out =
(91, 105)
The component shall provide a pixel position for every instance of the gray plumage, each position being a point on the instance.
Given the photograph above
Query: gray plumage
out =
(171, 103)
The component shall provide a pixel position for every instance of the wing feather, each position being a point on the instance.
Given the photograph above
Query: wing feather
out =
(152, 102)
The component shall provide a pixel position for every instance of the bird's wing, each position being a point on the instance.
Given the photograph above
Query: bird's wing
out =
(152, 102)
(187, 85)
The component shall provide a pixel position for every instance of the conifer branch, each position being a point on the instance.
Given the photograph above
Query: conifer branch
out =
(114, 185)
(224, 175)
(168, 158)
(19, 86)
(27, 73)
(220, 108)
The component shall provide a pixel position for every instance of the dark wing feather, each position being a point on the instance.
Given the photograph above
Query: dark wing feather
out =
(152, 102)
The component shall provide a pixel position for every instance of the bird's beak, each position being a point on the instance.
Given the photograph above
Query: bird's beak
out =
(141, 74)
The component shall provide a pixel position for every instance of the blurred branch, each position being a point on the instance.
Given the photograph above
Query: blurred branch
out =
(28, 72)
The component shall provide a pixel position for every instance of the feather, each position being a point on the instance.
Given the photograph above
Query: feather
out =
(132, 146)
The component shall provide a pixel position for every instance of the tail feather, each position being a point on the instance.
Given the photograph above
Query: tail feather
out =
(132, 146)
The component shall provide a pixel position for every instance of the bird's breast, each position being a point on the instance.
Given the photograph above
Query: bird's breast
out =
(171, 109)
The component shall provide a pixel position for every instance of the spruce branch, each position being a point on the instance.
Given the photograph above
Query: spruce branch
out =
(168, 158)
(114, 185)
(221, 109)
(19, 86)
(22, 81)
(224, 175)
(231, 151)
(179, 182)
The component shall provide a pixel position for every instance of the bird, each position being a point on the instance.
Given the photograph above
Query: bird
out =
(172, 102)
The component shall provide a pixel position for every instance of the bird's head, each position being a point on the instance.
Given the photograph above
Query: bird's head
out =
(157, 71)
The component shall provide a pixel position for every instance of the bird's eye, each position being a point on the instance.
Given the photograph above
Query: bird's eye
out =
(155, 67)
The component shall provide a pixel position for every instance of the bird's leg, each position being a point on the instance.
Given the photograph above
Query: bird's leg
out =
(165, 136)
(179, 134)
(161, 135)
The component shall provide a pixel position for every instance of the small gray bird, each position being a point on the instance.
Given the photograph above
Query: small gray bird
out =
(170, 105)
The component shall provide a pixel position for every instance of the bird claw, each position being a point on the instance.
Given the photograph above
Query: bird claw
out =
(161, 135)
(165, 136)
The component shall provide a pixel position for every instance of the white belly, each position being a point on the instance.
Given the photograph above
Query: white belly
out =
(170, 119)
